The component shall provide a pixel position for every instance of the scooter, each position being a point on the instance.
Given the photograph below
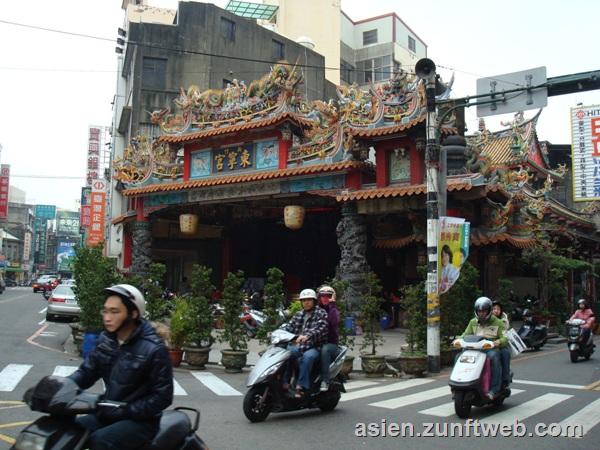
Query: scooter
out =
(62, 400)
(253, 319)
(576, 347)
(532, 333)
(267, 394)
(471, 377)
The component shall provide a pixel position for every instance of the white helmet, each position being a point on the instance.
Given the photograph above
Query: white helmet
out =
(308, 293)
(131, 293)
(327, 290)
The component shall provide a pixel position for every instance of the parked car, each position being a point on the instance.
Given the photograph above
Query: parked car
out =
(68, 282)
(10, 282)
(41, 282)
(62, 304)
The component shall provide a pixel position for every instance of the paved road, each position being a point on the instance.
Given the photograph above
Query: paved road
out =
(548, 390)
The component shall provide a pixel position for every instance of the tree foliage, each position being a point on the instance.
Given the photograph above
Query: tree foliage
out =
(370, 309)
(232, 297)
(200, 318)
(274, 297)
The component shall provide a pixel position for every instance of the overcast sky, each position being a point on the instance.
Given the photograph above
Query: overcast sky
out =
(54, 85)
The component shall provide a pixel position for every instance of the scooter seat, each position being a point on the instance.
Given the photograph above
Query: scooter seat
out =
(174, 426)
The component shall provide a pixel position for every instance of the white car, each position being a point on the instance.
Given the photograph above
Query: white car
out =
(62, 304)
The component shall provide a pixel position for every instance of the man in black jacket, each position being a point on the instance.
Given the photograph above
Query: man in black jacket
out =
(134, 364)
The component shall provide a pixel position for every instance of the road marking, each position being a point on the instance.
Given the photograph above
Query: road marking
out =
(557, 385)
(14, 424)
(447, 409)
(586, 418)
(48, 333)
(530, 408)
(418, 397)
(359, 384)
(177, 389)
(64, 371)
(11, 375)
(384, 389)
(215, 384)
(593, 386)
(8, 439)
(42, 322)
(43, 310)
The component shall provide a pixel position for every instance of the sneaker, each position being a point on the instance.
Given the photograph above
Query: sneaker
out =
(490, 396)
(324, 386)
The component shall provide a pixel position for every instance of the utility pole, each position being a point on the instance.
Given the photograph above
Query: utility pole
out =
(425, 69)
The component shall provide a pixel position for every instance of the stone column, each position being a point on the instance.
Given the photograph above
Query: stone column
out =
(352, 240)
(142, 251)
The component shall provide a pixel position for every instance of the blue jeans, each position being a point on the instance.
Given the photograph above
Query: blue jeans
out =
(305, 361)
(505, 359)
(494, 357)
(328, 354)
(122, 435)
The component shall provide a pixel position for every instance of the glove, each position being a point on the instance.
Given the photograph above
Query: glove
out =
(112, 414)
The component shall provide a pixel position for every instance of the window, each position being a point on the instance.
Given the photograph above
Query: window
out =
(412, 45)
(370, 37)
(346, 72)
(154, 73)
(277, 50)
(227, 29)
(377, 69)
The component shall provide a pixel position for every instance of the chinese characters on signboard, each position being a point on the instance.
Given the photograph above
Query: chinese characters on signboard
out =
(27, 247)
(4, 185)
(67, 223)
(98, 201)
(585, 157)
(65, 254)
(93, 155)
(233, 158)
(453, 250)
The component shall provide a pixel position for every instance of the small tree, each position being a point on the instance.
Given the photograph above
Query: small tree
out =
(371, 312)
(414, 301)
(274, 297)
(179, 324)
(200, 319)
(93, 272)
(232, 297)
(158, 307)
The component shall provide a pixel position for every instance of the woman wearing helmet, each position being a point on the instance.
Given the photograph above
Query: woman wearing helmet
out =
(490, 327)
(584, 313)
(134, 364)
(498, 311)
(330, 349)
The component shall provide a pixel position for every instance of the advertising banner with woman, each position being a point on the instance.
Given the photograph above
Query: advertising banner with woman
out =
(453, 250)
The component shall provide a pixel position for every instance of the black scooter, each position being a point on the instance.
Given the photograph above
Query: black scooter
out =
(62, 400)
(577, 347)
(532, 333)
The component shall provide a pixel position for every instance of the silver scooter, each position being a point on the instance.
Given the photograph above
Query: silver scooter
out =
(266, 393)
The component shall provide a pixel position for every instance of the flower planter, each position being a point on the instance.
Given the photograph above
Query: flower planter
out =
(233, 361)
(176, 356)
(373, 365)
(197, 357)
(347, 366)
(413, 364)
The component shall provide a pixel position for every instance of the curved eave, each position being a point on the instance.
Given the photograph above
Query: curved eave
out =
(480, 239)
(243, 178)
(358, 132)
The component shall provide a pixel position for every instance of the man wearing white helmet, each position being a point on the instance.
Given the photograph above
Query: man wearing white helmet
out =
(134, 364)
(310, 325)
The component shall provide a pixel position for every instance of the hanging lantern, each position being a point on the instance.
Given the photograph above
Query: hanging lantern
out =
(293, 216)
(188, 223)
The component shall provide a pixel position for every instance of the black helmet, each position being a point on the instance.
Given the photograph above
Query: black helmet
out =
(483, 304)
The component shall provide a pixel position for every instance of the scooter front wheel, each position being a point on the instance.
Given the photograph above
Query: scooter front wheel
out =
(462, 406)
(255, 409)
(574, 356)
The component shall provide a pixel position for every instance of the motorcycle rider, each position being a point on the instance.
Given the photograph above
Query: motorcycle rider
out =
(498, 311)
(134, 364)
(490, 327)
(310, 325)
(584, 313)
(330, 349)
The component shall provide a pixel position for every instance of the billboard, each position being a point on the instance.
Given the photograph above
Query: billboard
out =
(65, 252)
(453, 250)
(98, 205)
(4, 184)
(67, 223)
(585, 152)
(45, 212)
(93, 154)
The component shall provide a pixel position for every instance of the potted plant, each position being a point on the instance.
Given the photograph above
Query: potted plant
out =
(233, 358)
(274, 298)
(157, 307)
(178, 330)
(93, 272)
(413, 359)
(199, 327)
(372, 364)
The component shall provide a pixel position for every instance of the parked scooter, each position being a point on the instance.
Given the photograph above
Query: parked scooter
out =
(62, 400)
(532, 333)
(46, 293)
(578, 348)
(266, 393)
(469, 381)
(253, 319)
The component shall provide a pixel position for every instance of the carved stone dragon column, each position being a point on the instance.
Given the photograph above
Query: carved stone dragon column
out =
(142, 251)
(352, 240)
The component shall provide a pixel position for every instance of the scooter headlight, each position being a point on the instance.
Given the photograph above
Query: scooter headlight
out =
(469, 359)
(30, 441)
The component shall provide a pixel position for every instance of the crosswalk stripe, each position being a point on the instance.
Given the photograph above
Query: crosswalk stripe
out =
(359, 384)
(585, 419)
(384, 389)
(447, 409)
(418, 397)
(527, 409)
(177, 389)
(543, 383)
(11, 375)
(64, 371)
(215, 384)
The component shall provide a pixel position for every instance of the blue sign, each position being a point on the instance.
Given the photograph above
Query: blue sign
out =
(233, 159)
(200, 164)
(46, 212)
(65, 255)
(267, 154)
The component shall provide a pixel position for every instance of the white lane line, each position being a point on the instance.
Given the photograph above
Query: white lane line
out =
(48, 333)
(418, 397)
(42, 322)
(447, 409)
(583, 420)
(527, 409)
(64, 371)
(11, 375)
(556, 385)
(359, 384)
(215, 384)
(177, 389)
(384, 389)
(43, 310)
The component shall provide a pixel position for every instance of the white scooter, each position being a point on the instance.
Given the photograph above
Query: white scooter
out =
(266, 393)
(468, 380)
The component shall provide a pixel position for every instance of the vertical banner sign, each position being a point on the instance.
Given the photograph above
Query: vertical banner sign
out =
(585, 152)
(27, 247)
(98, 201)
(65, 254)
(453, 250)
(4, 184)
(93, 155)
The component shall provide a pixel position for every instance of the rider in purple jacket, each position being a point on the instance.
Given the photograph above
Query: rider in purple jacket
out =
(330, 349)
